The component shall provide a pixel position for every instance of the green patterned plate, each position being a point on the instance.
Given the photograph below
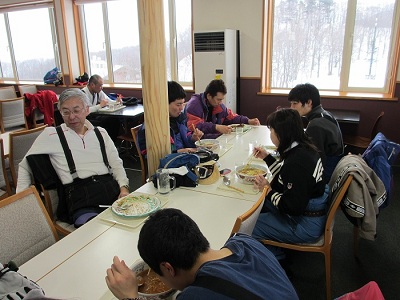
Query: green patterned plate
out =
(136, 206)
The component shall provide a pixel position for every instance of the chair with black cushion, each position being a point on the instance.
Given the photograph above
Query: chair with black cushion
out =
(51, 202)
(245, 223)
(27, 228)
(324, 243)
(20, 143)
(12, 114)
(47, 181)
(362, 142)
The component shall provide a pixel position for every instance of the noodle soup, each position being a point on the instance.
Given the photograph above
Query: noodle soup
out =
(247, 173)
(153, 288)
(152, 283)
(209, 144)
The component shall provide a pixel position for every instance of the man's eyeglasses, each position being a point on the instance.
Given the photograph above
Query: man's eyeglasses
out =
(205, 171)
(75, 112)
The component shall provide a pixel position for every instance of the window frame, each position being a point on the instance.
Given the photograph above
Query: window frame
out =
(173, 54)
(54, 36)
(344, 90)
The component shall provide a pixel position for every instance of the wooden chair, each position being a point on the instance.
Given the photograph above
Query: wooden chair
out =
(143, 162)
(12, 114)
(7, 92)
(245, 223)
(27, 88)
(27, 228)
(5, 188)
(51, 203)
(20, 143)
(324, 243)
(37, 117)
(362, 142)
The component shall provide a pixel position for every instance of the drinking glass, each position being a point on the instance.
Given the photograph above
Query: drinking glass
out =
(164, 181)
(239, 130)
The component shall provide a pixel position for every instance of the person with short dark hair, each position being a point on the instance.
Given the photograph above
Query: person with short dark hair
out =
(182, 138)
(94, 90)
(296, 203)
(322, 126)
(97, 99)
(207, 112)
(171, 243)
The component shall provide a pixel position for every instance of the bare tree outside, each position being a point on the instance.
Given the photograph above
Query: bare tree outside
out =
(119, 44)
(33, 56)
(309, 41)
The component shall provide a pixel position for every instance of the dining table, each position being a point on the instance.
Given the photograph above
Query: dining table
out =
(122, 111)
(75, 266)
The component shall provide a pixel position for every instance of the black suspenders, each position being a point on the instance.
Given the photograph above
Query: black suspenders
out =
(68, 154)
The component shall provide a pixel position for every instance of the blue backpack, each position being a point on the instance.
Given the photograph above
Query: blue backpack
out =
(51, 76)
(380, 155)
(176, 160)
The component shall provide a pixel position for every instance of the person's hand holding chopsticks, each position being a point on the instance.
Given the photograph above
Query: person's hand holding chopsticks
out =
(197, 134)
(260, 152)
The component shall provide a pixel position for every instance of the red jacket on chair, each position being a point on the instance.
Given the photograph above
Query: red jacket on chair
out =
(44, 101)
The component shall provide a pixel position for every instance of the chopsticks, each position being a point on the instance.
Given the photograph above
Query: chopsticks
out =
(198, 138)
(235, 188)
(251, 159)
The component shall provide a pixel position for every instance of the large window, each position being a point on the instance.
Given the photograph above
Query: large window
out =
(111, 40)
(28, 47)
(337, 45)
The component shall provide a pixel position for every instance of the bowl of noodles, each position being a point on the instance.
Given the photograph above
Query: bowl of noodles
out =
(247, 173)
(153, 288)
(209, 144)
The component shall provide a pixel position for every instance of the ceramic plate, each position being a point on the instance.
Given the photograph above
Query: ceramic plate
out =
(136, 206)
(246, 127)
(106, 109)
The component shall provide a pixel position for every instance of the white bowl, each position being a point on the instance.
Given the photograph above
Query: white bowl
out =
(139, 266)
(209, 144)
(249, 179)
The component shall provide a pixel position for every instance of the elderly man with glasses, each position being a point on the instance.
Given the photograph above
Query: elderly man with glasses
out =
(101, 177)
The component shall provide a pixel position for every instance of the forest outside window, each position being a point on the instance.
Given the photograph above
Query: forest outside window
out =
(28, 43)
(110, 35)
(338, 45)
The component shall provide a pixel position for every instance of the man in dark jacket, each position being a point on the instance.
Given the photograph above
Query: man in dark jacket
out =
(182, 138)
(322, 126)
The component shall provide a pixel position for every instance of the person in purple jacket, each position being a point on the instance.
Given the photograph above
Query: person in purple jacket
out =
(173, 246)
(206, 112)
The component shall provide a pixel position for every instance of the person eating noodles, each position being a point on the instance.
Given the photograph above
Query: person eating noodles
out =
(295, 206)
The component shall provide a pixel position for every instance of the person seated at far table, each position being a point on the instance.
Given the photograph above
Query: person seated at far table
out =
(207, 112)
(97, 183)
(97, 99)
(296, 204)
(173, 246)
(182, 138)
(322, 127)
